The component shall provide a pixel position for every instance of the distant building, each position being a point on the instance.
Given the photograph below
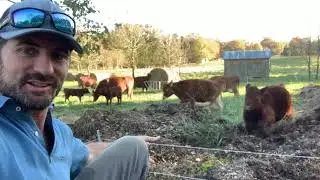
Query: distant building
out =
(247, 64)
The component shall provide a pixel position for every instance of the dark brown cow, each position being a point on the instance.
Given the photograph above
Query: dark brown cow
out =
(194, 90)
(87, 81)
(101, 90)
(112, 92)
(140, 82)
(104, 89)
(74, 92)
(264, 107)
(231, 82)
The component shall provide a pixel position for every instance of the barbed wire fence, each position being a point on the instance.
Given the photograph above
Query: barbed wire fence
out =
(225, 151)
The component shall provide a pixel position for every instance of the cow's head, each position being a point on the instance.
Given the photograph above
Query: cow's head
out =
(253, 97)
(167, 90)
(95, 95)
(86, 90)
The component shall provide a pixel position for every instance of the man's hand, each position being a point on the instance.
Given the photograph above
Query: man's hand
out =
(96, 148)
(148, 139)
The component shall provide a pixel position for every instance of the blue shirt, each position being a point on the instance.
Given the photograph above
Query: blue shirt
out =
(23, 153)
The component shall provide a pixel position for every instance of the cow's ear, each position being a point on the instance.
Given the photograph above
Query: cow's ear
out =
(171, 83)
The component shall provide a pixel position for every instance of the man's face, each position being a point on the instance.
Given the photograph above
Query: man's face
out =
(33, 68)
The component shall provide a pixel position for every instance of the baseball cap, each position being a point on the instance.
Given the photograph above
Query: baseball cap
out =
(54, 24)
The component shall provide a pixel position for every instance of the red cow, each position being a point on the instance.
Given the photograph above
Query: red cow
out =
(87, 81)
(195, 90)
(232, 83)
(130, 83)
(114, 87)
(125, 83)
(264, 107)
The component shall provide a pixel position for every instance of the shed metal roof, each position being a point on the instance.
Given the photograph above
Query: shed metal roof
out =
(252, 54)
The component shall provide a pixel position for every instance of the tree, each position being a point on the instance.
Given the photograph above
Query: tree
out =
(90, 32)
(270, 44)
(253, 46)
(129, 38)
(235, 45)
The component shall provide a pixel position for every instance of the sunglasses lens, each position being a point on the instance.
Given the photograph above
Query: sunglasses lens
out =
(28, 18)
(63, 23)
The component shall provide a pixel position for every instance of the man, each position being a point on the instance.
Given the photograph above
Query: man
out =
(36, 39)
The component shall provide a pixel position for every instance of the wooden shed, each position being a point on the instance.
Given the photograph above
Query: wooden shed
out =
(247, 64)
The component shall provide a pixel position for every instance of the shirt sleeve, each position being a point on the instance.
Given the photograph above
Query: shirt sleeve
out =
(80, 155)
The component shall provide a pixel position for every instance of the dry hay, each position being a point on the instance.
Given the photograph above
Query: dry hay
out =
(166, 119)
(299, 137)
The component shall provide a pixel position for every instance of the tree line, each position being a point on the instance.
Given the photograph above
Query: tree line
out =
(137, 46)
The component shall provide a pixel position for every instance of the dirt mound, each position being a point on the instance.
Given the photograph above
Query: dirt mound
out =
(174, 122)
(182, 125)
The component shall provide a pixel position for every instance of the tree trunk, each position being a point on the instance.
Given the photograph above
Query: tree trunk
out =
(317, 73)
(309, 67)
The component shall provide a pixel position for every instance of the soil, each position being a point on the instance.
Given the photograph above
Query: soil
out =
(298, 137)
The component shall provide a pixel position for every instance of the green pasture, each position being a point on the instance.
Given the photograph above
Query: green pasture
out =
(292, 71)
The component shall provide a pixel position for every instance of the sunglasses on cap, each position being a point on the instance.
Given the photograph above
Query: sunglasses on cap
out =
(34, 18)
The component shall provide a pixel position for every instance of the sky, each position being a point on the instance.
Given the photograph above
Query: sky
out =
(224, 20)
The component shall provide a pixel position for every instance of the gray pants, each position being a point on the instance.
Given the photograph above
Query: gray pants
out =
(124, 159)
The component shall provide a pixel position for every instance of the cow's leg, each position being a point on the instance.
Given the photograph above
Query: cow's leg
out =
(79, 98)
(290, 113)
(217, 103)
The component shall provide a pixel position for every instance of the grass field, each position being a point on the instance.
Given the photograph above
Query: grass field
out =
(292, 71)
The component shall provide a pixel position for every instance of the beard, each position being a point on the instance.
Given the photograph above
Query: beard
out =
(14, 88)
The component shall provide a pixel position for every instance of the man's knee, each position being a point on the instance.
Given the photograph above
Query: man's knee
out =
(133, 143)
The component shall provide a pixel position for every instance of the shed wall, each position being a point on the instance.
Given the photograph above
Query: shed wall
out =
(247, 67)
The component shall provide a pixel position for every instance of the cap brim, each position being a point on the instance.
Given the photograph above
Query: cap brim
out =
(18, 33)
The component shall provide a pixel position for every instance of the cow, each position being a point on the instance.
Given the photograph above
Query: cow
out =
(140, 82)
(87, 81)
(114, 87)
(130, 83)
(74, 92)
(126, 84)
(195, 90)
(231, 82)
(264, 107)
(101, 90)
(112, 92)
(104, 89)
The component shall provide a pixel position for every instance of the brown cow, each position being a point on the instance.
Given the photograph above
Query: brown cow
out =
(140, 82)
(74, 92)
(114, 87)
(264, 107)
(126, 84)
(194, 90)
(231, 82)
(130, 84)
(87, 81)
